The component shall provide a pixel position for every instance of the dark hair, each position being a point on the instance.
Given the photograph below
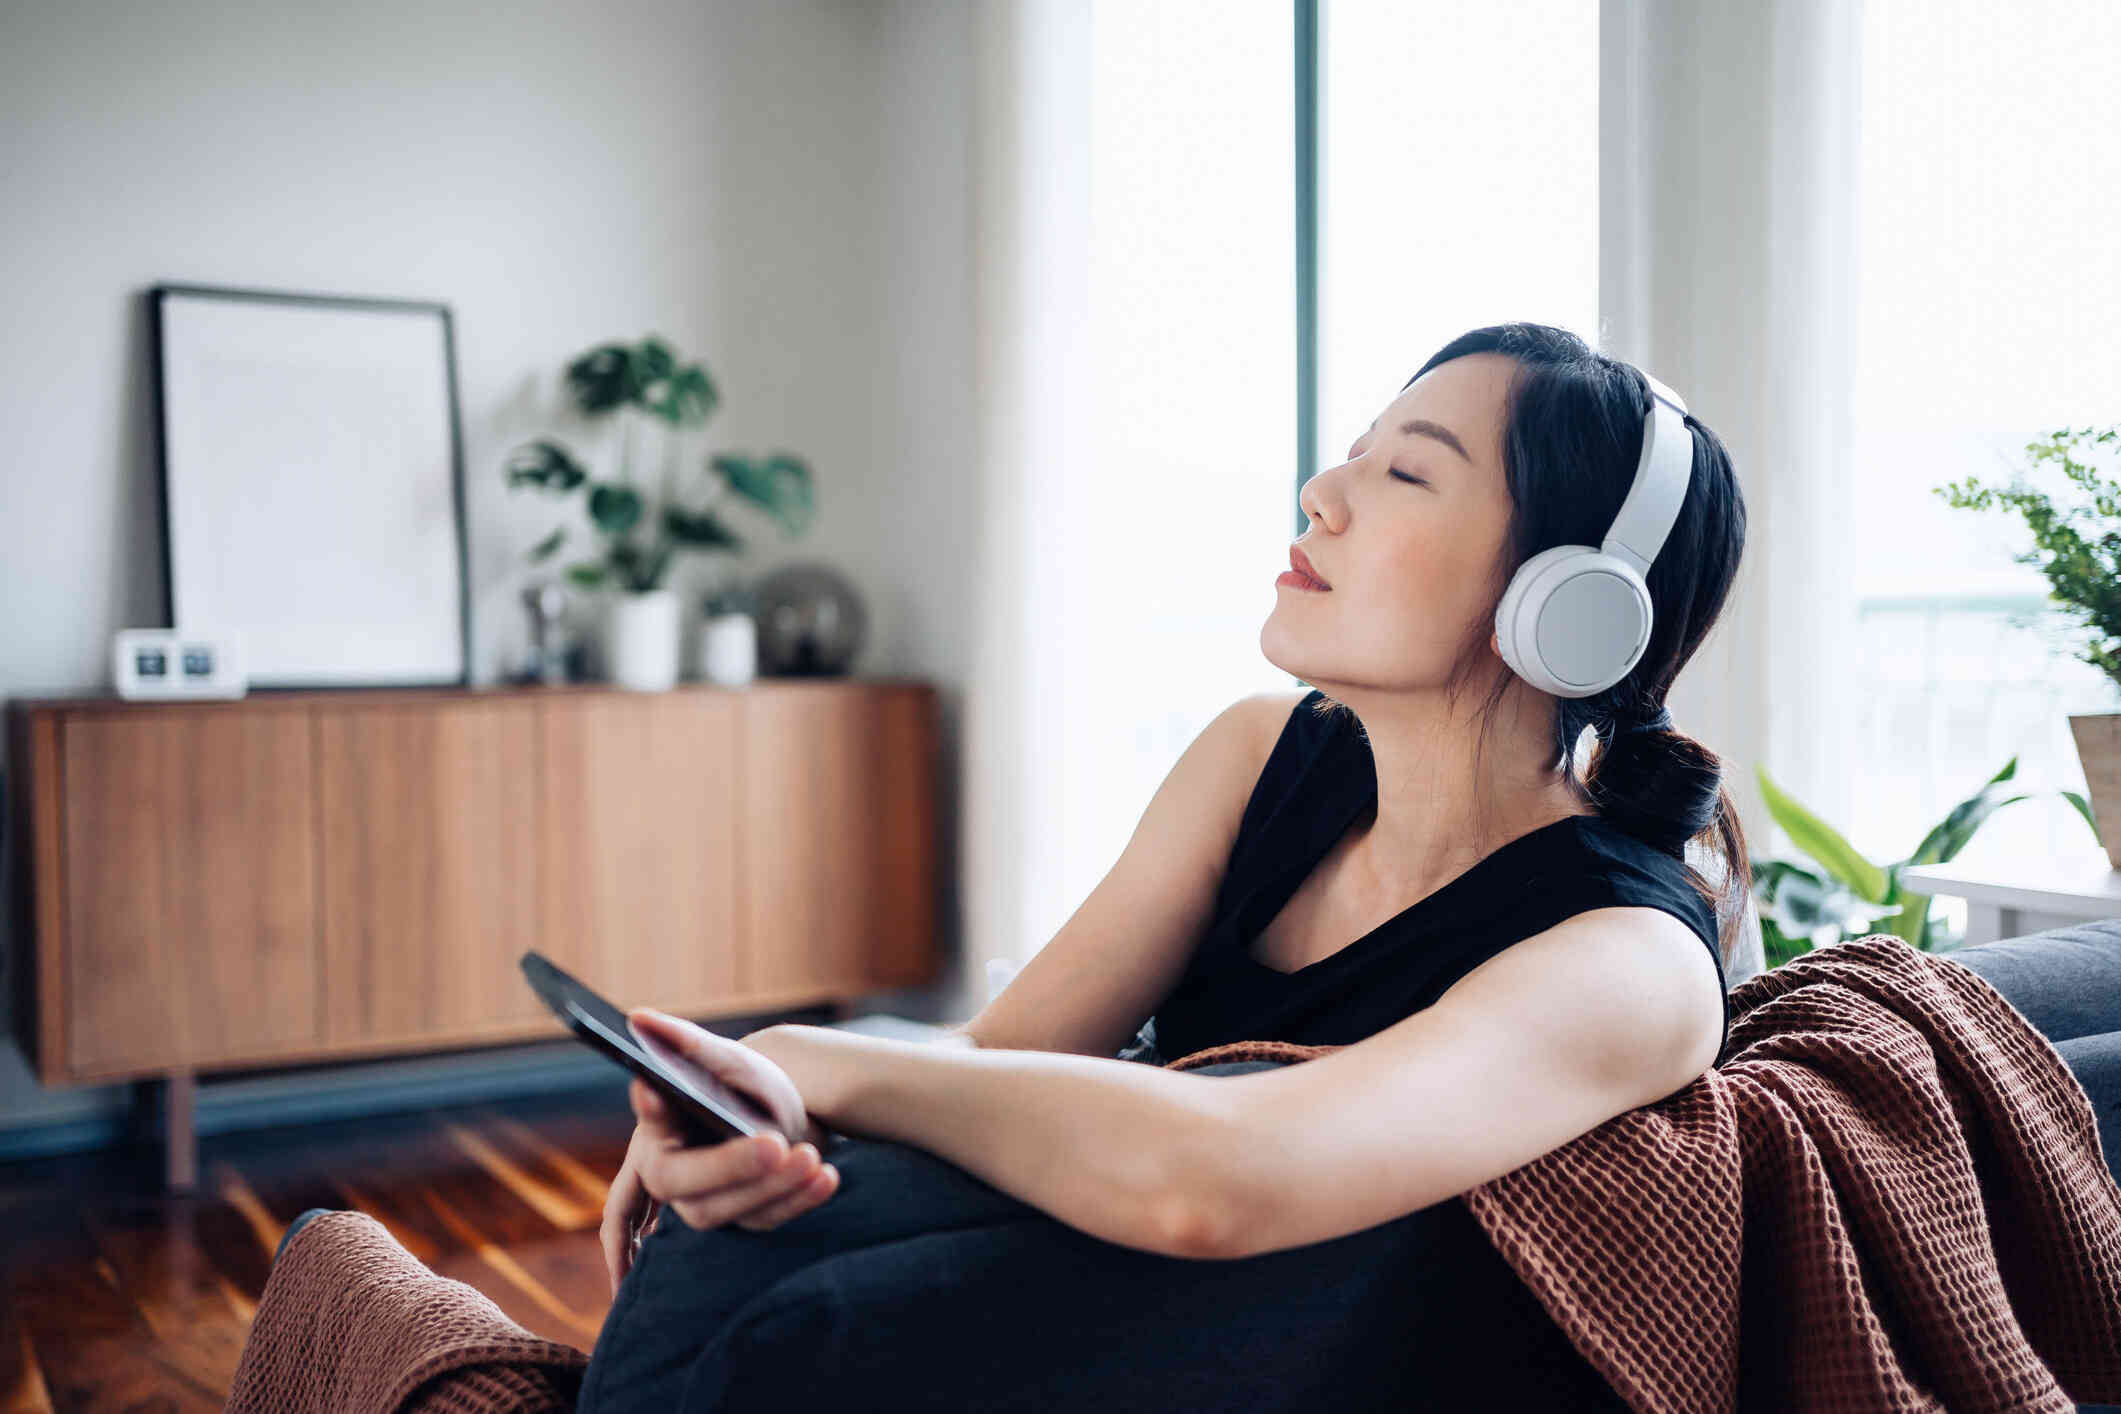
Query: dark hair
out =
(1572, 433)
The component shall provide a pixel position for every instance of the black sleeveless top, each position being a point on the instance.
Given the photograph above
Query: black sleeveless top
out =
(1320, 777)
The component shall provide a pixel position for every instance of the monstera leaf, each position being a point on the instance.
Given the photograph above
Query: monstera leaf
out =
(778, 485)
(615, 507)
(686, 397)
(546, 464)
(603, 378)
(699, 528)
(612, 375)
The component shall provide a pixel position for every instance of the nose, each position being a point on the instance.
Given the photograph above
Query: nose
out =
(1320, 500)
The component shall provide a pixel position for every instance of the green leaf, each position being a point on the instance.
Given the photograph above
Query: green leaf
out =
(546, 548)
(780, 485)
(2083, 569)
(699, 528)
(653, 362)
(1824, 843)
(615, 507)
(589, 576)
(545, 464)
(1912, 921)
(604, 378)
(1800, 901)
(646, 375)
(2084, 808)
(687, 396)
(1950, 834)
(1771, 874)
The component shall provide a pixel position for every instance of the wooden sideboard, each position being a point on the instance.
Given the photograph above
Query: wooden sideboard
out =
(296, 877)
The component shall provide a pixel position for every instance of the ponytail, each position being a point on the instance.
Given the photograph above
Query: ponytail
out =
(1666, 789)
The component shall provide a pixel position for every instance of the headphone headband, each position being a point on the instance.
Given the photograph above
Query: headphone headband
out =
(1661, 476)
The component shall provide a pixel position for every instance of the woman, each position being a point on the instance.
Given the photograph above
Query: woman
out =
(1050, 1226)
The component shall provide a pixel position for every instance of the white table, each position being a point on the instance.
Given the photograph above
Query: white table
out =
(2009, 897)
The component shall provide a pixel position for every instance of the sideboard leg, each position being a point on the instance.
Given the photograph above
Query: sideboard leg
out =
(180, 1140)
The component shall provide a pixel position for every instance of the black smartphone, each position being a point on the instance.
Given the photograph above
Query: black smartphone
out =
(708, 1110)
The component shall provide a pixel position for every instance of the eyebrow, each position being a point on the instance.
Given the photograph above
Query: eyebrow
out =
(1421, 426)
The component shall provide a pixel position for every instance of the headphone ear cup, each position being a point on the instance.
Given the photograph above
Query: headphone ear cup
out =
(1574, 620)
(1517, 616)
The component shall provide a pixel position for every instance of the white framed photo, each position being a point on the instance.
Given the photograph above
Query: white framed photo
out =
(313, 484)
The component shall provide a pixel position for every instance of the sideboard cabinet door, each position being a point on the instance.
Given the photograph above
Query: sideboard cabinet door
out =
(840, 880)
(190, 888)
(429, 868)
(638, 846)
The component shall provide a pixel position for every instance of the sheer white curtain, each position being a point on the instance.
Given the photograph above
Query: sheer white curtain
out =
(1135, 312)
(1728, 262)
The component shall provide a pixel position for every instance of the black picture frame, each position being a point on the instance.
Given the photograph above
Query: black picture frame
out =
(435, 655)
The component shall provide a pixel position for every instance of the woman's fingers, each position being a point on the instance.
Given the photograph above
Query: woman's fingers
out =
(616, 1234)
(813, 1191)
(672, 1171)
(725, 1205)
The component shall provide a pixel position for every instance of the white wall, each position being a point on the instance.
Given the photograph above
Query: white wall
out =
(781, 189)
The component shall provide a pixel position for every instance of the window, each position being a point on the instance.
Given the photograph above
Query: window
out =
(1988, 316)
(1444, 204)
(1161, 543)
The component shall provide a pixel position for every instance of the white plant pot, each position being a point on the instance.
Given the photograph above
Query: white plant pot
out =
(729, 649)
(641, 640)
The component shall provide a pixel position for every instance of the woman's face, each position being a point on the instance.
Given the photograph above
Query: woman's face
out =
(1407, 531)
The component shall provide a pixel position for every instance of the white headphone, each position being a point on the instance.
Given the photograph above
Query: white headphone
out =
(1576, 619)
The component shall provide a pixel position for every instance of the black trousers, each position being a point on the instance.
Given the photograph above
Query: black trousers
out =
(919, 1285)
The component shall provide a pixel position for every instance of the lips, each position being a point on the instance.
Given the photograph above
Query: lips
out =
(1301, 563)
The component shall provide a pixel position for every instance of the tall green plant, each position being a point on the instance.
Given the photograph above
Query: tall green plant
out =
(2077, 547)
(1796, 902)
(646, 384)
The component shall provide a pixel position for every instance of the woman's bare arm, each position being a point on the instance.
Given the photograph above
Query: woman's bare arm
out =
(1088, 990)
(1600, 1014)
(1110, 1147)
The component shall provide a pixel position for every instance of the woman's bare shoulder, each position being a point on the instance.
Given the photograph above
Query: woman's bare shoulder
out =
(1267, 714)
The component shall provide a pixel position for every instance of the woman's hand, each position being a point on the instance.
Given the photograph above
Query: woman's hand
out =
(757, 1182)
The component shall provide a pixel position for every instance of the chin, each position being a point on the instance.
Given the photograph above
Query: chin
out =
(1275, 647)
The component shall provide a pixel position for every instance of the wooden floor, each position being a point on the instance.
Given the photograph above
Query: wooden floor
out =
(115, 1296)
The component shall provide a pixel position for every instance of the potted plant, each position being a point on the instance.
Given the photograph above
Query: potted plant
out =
(2078, 548)
(1849, 893)
(645, 384)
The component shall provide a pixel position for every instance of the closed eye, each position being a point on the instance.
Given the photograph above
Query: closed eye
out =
(1413, 479)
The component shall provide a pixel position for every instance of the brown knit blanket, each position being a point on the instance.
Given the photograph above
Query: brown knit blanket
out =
(1889, 1196)
(352, 1323)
